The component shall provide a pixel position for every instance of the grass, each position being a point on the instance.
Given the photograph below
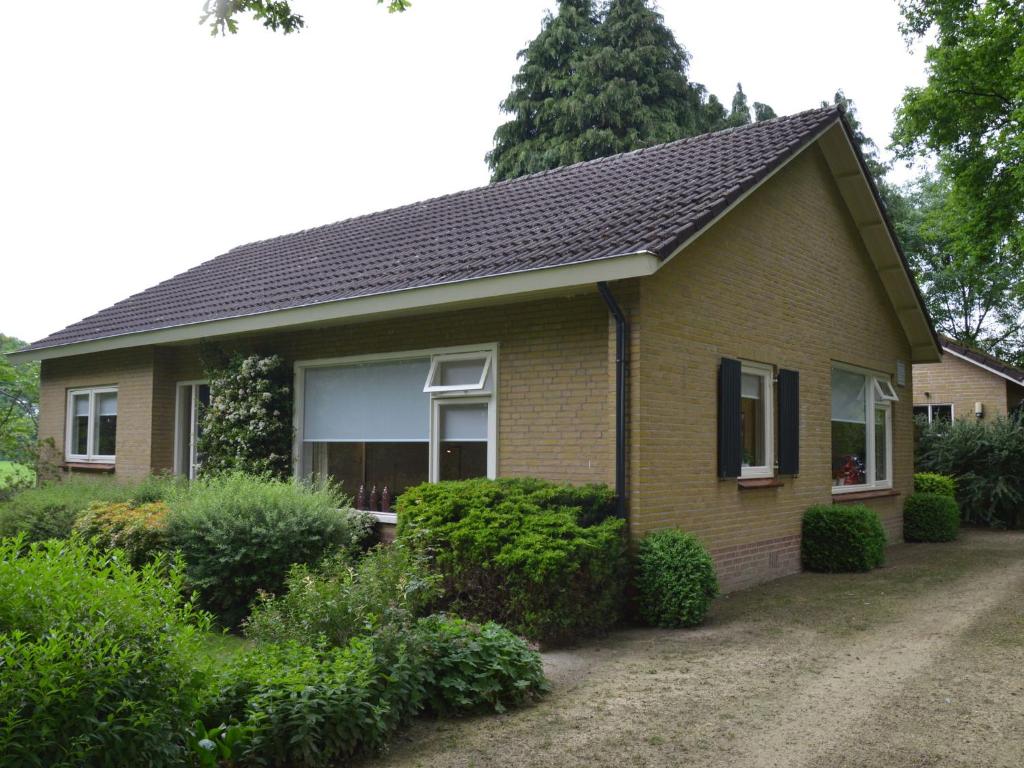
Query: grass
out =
(222, 647)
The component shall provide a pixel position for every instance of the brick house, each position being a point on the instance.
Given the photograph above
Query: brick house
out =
(967, 384)
(722, 327)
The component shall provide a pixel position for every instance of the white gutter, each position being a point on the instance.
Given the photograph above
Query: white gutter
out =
(408, 300)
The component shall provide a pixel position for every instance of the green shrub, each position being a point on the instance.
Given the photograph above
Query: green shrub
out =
(141, 531)
(339, 599)
(932, 482)
(96, 658)
(930, 517)
(311, 707)
(240, 534)
(50, 511)
(675, 579)
(476, 668)
(13, 478)
(516, 552)
(985, 458)
(841, 538)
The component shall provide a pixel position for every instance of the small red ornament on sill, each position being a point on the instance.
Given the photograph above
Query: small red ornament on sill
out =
(851, 472)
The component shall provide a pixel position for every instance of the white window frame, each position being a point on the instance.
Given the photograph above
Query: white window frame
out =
(459, 394)
(88, 456)
(875, 397)
(930, 406)
(435, 367)
(767, 375)
(179, 405)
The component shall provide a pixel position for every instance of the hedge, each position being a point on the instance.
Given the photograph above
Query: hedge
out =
(675, 579)
(929, 517)
(842, 538)
(933, 482)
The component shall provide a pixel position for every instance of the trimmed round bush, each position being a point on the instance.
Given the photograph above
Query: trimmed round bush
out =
(930, 517)
(97, 658)
(933, 482)
(240, 534)
(543, 559)
(675, 578)
(842, 538)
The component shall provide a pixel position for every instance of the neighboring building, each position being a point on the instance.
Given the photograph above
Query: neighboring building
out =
(768, 324)
(967, 384)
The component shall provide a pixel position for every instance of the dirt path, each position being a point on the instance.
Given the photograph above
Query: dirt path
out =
(920, 663)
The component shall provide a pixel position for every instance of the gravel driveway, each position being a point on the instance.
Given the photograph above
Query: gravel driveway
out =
(920, 663)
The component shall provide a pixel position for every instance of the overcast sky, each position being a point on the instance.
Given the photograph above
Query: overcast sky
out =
(134, 146)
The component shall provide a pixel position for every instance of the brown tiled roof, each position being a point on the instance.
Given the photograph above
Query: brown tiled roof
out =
(983, 358)
(648, 200)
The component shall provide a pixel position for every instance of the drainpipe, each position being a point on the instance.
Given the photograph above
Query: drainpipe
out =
(621, 361)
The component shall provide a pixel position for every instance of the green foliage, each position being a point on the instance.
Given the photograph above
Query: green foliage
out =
(593, 84)
(96, 657)
(930, 517)
(932, 482)
(240, 534)
(19, 404)
(985, 458)
(313, 707)
(339, 599)
(247, 427)
(14, 478)
(675, 579)
(516, 552)
(140, 531)
(219, 746)
(275, 15)
(50, 510)
(476, 668)
(840, 538)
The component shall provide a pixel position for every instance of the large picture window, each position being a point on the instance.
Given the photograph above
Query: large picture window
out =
(393, 421)
(861, 430)
(92, 425)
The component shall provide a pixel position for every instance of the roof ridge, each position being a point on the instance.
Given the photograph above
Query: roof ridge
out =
(538, 174)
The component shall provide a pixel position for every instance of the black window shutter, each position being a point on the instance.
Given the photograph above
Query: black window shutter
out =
(789, 422)
(730, 453)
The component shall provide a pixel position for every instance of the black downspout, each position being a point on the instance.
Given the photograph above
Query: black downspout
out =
(621, 361)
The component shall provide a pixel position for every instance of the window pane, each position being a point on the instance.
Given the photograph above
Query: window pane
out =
(849, 451)
(920, 410)
(752, 421)
(849, 403)
(463, 461)
(80, 424)
(942, 413)
(185, 430)
(203, 401)
(397, 466)
(464, 422)
(460, 373)
(881, 445)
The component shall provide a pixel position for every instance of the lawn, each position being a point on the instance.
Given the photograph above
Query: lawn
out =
(915, 664)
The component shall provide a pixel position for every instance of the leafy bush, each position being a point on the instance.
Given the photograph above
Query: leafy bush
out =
(240, 534)
(247, 427)
(932, 482)
(516, 552)
(476, 668)
(985, 458)
(310, 707)
(14, 478)
(842, 538)
(141, 531)
(96, 658)
(392, 584)
(50, 511)
(675, 579)
(930, 517)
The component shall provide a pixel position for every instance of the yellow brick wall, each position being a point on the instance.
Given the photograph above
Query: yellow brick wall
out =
(963, 384)
(784, 280)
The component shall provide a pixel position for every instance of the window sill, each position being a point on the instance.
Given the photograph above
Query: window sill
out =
(879, 493)
(759, 482)
(389, 518)
(87, 466)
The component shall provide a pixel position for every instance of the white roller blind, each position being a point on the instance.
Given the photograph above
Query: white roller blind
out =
(751, 386)
(106, 404)
(848, 397)
(464, 423)
(81, 405)
(374, 402)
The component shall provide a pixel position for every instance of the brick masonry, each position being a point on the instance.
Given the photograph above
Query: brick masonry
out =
(783, 279)
(963, 384)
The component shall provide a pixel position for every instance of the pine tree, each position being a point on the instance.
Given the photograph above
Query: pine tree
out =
(544, 126)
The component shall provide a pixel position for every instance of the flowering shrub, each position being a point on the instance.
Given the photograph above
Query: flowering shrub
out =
(248, 424)
(141, 531)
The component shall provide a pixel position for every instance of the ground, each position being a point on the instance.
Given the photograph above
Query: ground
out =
(916, 664)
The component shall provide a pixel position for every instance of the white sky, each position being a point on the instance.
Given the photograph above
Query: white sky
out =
(134, 146)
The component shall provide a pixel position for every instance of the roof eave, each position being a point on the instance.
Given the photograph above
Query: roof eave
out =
(521, 284)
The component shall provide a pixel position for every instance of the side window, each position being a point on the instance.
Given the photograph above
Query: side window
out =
(91, 430)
